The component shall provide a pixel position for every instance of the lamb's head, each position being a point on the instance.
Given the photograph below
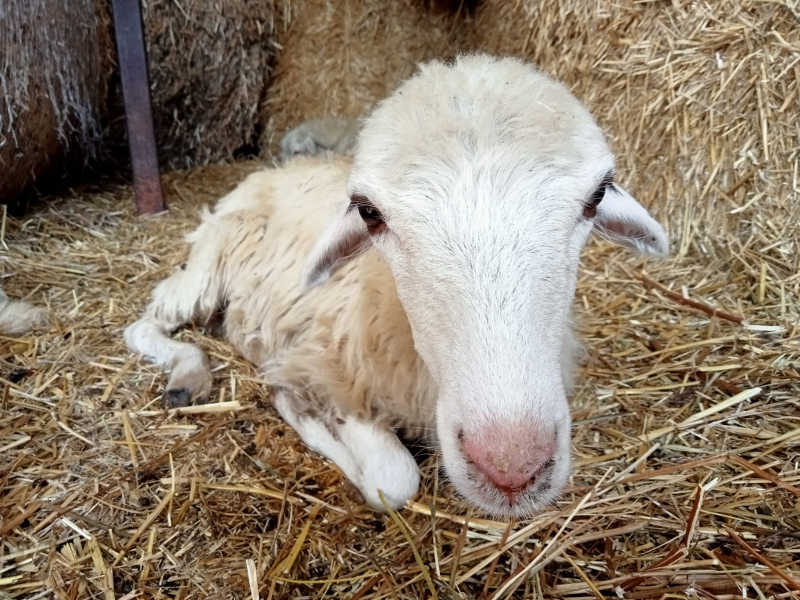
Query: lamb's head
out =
(479, 183)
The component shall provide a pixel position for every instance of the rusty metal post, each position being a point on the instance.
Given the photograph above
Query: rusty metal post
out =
(128, 30)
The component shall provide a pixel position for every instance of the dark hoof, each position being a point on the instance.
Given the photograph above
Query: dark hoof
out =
(177, 398)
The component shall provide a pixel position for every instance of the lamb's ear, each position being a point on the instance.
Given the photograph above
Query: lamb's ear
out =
(620, 218)
(343, 239)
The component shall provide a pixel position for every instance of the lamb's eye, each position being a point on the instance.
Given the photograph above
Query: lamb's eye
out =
(371, 216)
(590, 208)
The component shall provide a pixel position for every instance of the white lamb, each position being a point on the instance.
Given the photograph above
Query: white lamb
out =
(424, 284)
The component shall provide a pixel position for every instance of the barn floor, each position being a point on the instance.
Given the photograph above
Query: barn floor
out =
(686, 441)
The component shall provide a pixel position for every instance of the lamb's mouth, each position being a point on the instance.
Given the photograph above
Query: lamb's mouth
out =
(510, 498)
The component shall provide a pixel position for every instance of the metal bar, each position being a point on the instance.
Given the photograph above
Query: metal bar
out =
(128, 31)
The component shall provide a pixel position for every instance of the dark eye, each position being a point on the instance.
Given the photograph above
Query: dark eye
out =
(590, 208)
(371, 216)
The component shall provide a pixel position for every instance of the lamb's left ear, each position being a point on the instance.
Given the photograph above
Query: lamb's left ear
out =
(343, 239)
(620, 218)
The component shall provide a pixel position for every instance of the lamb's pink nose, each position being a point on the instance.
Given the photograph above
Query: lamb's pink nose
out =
(510, 457)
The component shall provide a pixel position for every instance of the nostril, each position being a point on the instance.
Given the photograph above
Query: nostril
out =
(510, 460)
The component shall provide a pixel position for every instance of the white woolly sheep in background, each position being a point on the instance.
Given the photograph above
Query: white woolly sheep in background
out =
(18, 317)
(425, 284)
(317, 136)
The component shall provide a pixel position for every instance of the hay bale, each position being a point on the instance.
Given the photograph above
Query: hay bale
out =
(54, 71)
(699, 101)
(210, 65)
(31, 149)
(340, 58)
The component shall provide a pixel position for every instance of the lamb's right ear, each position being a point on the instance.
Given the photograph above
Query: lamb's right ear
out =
(343, 239)
(621, 219)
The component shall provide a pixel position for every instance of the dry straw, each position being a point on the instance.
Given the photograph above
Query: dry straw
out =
(687, 423)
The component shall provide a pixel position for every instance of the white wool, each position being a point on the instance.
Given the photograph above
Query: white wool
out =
(18, 317)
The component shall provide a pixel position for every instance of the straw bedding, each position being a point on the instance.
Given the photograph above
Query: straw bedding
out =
(687, 425)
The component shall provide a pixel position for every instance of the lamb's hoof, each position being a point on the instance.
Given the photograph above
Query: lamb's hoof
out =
(188, 384)
(177, 398)
(398, 483)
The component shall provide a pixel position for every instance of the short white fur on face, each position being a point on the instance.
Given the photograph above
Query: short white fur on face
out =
(482, 171)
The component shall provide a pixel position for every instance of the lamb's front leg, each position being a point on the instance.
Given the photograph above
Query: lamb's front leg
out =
(371, 456)
(190, 378)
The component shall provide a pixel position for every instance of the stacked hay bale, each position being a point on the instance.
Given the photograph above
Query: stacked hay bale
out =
(54, 64)
(210, 69)
(210, 65)
(339, 58)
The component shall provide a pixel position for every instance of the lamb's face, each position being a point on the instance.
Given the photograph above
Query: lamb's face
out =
(479, 183)
(487, 289)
